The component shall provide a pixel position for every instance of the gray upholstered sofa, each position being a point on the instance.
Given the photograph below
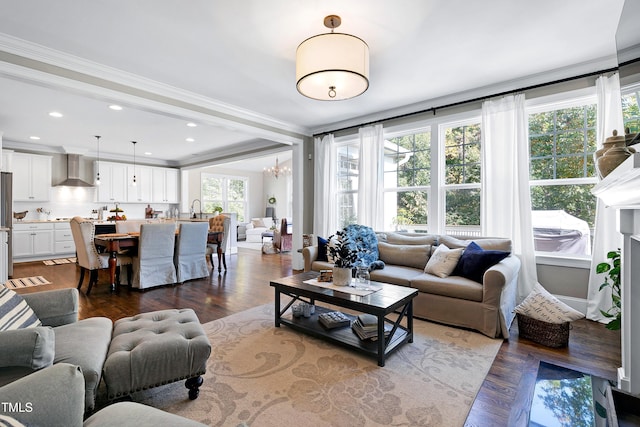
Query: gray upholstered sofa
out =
(55, 396)
(454, 300)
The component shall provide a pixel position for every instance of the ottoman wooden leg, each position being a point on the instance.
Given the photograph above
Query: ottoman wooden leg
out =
(193, 384)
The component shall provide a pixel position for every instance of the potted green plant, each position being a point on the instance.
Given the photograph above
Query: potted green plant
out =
(217, 210)
(612, 280)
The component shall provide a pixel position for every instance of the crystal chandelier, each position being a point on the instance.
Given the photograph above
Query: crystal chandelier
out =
(277, 170)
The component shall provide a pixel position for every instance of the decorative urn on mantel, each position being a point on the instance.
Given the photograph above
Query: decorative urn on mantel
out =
(614, 151)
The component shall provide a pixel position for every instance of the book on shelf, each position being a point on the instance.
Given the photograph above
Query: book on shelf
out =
(333, 319)
(370, 331)
(368, 319)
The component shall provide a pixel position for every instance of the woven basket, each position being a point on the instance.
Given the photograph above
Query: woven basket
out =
(549, 334)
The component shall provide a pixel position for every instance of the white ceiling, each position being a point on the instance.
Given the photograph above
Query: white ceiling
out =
(229, 66)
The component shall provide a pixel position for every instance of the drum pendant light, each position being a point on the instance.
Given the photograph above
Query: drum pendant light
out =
(332, 66)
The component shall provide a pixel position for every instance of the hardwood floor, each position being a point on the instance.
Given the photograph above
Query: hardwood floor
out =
(503, 400)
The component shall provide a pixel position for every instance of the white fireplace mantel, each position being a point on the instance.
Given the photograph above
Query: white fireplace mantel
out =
(621, 190)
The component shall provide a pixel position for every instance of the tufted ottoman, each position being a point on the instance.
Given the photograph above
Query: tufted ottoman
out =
(156, 348)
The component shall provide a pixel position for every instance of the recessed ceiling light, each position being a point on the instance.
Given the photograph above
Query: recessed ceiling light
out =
(191, 124)
(34, 137)
(115, 107)
(55, 114)
(148, 153)
(189, 139)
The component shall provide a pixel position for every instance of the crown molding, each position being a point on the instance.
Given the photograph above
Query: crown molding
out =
(42, 58)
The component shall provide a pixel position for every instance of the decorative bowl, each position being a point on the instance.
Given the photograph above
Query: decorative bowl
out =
(20, 215)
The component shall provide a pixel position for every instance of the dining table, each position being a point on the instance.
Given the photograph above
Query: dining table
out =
(116, 242)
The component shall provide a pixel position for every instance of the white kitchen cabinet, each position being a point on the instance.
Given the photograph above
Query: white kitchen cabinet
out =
(113, 182)
(141, 192)
(7, 156)
(63, 239)
(31, 177)
(32, 240)
(165, 185)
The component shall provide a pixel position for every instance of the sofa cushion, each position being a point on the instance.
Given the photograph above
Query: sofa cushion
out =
(257, 223)
(395, 274)
(322, 249)
(415, 256)
(475, 261)
(541, 305)
(443, 261)
(451, 286)
(493, 244)
(406, 239)
(15, 313)
(85, 344)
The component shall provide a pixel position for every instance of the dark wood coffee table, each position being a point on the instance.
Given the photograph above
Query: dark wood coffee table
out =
(387, 300)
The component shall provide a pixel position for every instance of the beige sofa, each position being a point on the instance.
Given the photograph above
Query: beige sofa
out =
(454, 300)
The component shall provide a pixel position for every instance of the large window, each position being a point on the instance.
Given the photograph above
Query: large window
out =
(562, 140)
(228, 192)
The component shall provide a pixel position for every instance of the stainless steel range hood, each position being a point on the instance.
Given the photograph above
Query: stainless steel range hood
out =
(73, 173)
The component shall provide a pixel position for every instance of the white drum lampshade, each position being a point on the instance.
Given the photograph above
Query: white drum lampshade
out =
(333, 66)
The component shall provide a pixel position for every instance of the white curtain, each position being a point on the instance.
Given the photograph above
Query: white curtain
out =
(606, 237)
(371, 177)
(506, 201)
(325, 216)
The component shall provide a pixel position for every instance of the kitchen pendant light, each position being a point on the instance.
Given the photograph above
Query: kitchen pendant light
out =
(332, 66)
(134, 183)
(98, 160)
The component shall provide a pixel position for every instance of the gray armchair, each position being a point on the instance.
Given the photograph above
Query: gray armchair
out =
(55, 396)
(62, 338)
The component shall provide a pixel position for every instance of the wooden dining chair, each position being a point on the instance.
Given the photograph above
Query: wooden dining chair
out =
(88, 257)
(153, 266)
(282, 238)
(219, 223)
(190, 254)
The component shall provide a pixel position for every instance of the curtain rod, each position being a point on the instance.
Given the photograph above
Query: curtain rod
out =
(468, 101)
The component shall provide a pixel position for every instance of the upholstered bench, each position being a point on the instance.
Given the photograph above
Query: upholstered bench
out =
(156, 348)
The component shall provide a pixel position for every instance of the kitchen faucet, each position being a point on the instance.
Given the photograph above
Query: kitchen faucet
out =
(199, 206)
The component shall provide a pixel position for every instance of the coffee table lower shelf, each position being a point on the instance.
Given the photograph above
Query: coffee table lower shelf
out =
(345, 336)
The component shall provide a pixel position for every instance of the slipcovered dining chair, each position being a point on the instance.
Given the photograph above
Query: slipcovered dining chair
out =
(153, 266)
(282, 238)
(87, 255)
(219, 223)
(190, 253)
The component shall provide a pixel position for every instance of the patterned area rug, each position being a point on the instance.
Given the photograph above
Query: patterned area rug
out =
(59, 261)
(261, 375)
(26, 282)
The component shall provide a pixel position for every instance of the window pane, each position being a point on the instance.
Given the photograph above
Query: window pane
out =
(563, 218)
(237, 189)
(347, 209)
(407, 161)
(462, 154)
(462, 211)
(348, 163)
(406, 211)
(562, 143)
(237, 207)
(631, 111)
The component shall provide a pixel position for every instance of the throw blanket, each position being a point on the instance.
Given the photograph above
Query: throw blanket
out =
(364, 241)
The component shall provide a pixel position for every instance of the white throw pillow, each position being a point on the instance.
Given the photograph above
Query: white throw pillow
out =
(443, 261)
(257, 222)
(15, 313)
(541, 305)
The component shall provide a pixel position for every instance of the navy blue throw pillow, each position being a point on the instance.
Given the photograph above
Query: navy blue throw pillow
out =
(475, 261)
(322, 249)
